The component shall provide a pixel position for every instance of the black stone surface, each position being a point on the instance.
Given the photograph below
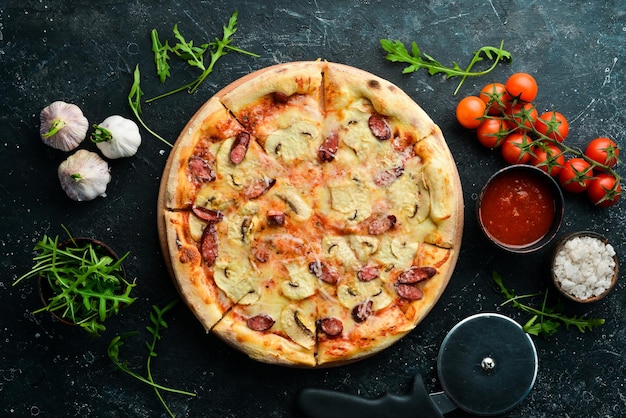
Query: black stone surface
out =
(84, 52)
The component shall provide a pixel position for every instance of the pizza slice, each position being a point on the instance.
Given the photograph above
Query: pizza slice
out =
(398, 150)
(195, 279)
(279, 325)
(192, 162)
(282, 108)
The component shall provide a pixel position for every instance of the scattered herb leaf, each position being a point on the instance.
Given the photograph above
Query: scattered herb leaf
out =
(194, 55)
(87, 284)
(185, 50)
(134, 101)
(161, 56)
(545, 320)
(397, 52)
(158, 323)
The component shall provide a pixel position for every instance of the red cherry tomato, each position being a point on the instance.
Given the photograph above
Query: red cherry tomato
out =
(470, 111)
(522, 87)
(491, 132)
(576, 175)
(549, 158)
(516, 148)
(553, 125)
(603, 151)
(525, 115)
(494, 96)
(603, 192)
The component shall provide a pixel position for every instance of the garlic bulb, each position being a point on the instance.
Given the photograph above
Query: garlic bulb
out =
(84, 175)
(63, 126)
(117, 137)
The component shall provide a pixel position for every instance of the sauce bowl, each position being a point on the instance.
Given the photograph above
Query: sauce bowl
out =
(520, 208)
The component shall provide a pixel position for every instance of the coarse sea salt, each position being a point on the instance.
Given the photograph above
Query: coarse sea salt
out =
(584, 266)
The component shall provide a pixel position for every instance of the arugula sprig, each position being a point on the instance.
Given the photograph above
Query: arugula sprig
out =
(158, 324)
(417, 59)
(545, 320)
(160, 56)
(87, 284)
(195, 55)
(134, 101)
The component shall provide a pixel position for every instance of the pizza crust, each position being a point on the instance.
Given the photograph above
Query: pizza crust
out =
(284, 208)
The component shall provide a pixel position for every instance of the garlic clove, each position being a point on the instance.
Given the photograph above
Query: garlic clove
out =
(63, 125)
(84, 175)
(117, 137)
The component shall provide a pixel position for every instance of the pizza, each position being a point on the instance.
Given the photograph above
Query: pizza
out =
(310, 214)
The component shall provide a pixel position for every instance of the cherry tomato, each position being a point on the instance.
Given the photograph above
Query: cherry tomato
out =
(494, 96)
(525, 115)
(469, 112)
(522, 87)
(553, 125)
(516, 148)
(491, 132)
(603, 192)
(576, 175)
(549, 158)
(603, 150)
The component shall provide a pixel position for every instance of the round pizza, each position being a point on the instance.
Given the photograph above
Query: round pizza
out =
(310, 214)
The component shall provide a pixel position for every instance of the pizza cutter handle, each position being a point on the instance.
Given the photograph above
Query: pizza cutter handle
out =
(320, 403)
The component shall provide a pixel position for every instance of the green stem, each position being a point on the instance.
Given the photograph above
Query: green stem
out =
(55, 127)
(475, 59)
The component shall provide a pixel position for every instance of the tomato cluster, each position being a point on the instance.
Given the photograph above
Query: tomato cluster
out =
(505, 117)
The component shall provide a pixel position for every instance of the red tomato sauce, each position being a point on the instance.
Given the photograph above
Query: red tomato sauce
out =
(517, 208)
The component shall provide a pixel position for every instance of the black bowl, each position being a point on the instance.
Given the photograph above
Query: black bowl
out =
(548, 184)
(557, 280)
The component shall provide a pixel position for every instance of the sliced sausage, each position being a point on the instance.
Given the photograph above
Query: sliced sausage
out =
(258, 187)
(200, 169)
(379, 127)
(261, 322)
(208, 215)
(386, 177)
(208, 244)
(362, 311)
(416, 274)
(240, 147)
(409, 292)
(276, 218)
(323, 271)
(331, 326)
(368, 273)
(381, 224)
(327, 151)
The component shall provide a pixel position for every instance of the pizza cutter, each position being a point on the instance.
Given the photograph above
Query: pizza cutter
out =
(486, 365)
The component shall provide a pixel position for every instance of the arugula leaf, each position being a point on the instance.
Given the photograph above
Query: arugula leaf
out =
(158, 323)
(550, 318)
(416, 59)
(185, 50)
(161, 56)
(194, 55)
(134, 101)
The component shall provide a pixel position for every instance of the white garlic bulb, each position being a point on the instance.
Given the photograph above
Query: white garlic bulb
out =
(84, 175)
(117, 137)
(63, 125)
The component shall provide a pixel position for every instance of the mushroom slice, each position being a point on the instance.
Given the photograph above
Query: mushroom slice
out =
(300, 284)
(352, 294)
(298, 326)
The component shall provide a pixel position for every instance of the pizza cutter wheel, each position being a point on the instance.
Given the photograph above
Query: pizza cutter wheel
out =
(487, 365)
